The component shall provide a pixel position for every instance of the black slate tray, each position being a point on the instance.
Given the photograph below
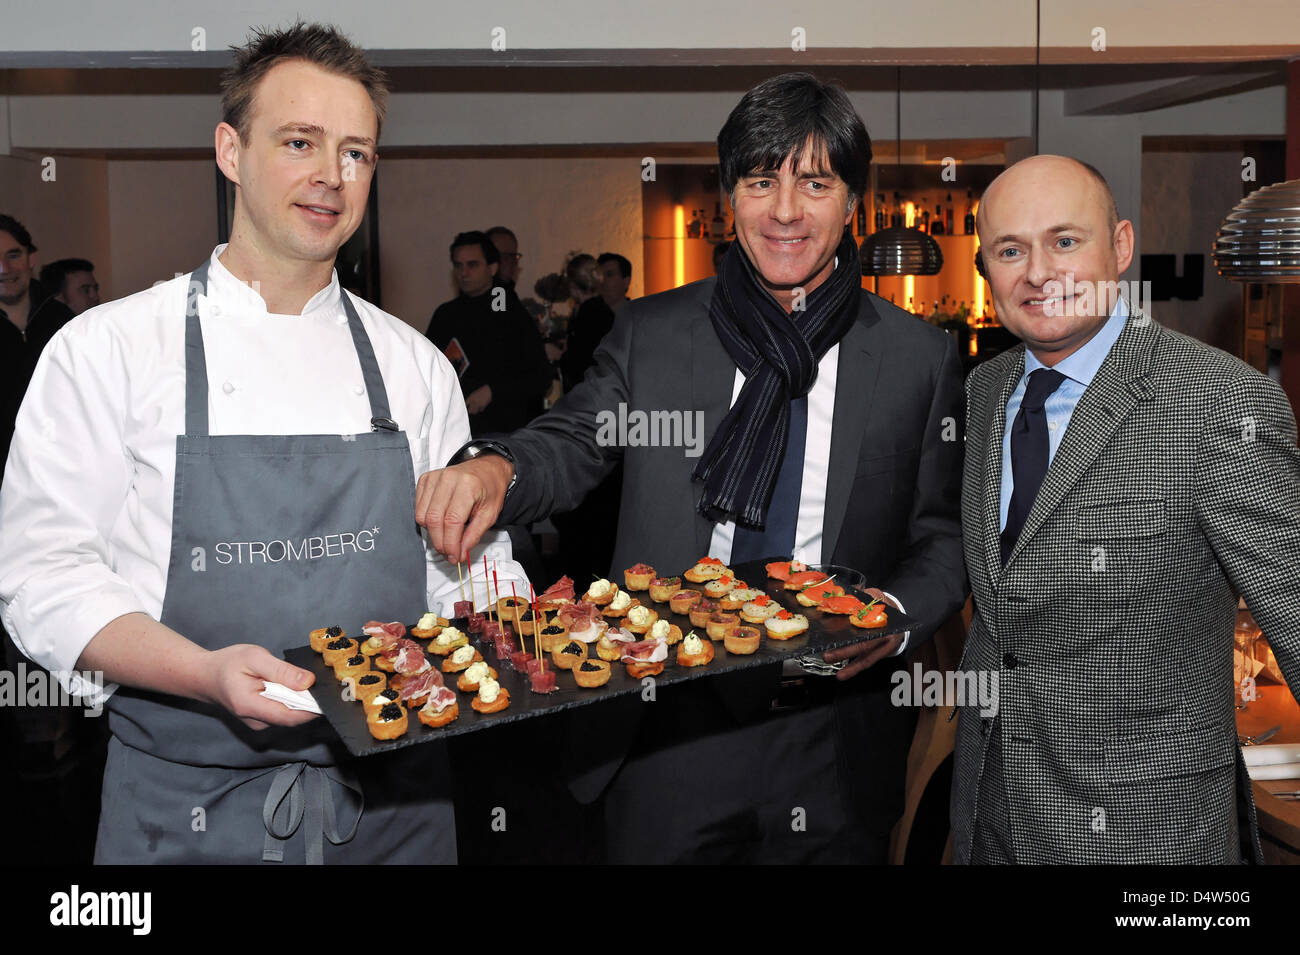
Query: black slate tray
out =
(825, 632)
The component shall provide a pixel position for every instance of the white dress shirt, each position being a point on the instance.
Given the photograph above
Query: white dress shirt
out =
(816, 468)
(1079, 369)
(86, 506)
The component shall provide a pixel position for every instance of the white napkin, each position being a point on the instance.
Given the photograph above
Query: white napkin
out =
(1273, 760)
(1278, 771)
(294, 699)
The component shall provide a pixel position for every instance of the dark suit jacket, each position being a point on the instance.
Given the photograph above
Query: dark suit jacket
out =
(505, 353)
(892, 497)
(587, 327)
(1110, 627)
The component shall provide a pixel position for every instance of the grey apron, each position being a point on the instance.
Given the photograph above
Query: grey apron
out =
(273, 536)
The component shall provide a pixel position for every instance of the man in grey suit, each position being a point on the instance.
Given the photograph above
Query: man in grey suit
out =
(1123, 484)
(830, 427)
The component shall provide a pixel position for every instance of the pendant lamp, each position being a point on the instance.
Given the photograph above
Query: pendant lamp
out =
(1259, 241)
(900, 250)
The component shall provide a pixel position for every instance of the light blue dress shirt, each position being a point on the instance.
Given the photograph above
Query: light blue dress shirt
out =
(1079, 369)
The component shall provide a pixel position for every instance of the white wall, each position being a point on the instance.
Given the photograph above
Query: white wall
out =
(167, 26)
(162, 219)
(159, 25)
(65, 210)
(1172, 23)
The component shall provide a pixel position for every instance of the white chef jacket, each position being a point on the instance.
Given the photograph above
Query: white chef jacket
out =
(86, 506)
(816, 468)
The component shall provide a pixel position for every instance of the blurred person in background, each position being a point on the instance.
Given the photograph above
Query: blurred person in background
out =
(72, 282)
(491, 341)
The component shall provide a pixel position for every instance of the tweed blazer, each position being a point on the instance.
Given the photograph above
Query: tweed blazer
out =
(1175, 488)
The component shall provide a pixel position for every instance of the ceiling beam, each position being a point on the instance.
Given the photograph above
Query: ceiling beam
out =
(1114, 99)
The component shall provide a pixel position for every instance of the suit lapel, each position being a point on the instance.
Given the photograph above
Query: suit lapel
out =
(713, 375)
(1120, 383)
(991, 505)
(855, 384)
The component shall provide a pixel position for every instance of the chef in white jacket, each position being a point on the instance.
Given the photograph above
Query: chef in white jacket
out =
(205, 471)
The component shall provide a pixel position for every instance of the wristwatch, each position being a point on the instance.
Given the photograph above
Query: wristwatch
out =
(472, 449)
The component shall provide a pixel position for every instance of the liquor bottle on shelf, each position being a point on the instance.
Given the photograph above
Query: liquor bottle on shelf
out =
(881, 215)
(970, 213)
(925, 220)
(947, 216)
(861, 221)
(718, 227)
(896, 218)
(936, 224)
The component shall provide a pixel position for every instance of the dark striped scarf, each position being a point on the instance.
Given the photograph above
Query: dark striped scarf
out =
(778, 353)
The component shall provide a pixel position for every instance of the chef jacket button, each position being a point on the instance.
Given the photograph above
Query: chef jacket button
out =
(216, 309)
(358, 389)
(342, 319)
(228, 388)
(1010, 662)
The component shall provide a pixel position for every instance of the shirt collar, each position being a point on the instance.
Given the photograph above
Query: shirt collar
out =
(236, 293)
(1083, 364)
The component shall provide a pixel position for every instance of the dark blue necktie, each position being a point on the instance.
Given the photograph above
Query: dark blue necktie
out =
(777, 537)
(1030, 453)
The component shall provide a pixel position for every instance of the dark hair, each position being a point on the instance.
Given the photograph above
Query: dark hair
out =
(624, 266)
(490, 253)
(581, 273)
(316, 43)
(781, 117)
(552, 288)
(18, 231)
(56, 273)
(501, 230)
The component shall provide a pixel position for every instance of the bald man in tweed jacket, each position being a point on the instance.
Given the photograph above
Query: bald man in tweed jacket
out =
(1173, 485)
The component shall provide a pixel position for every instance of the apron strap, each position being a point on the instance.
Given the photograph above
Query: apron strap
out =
(196, 364)
(315, 806)
(379, 413)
